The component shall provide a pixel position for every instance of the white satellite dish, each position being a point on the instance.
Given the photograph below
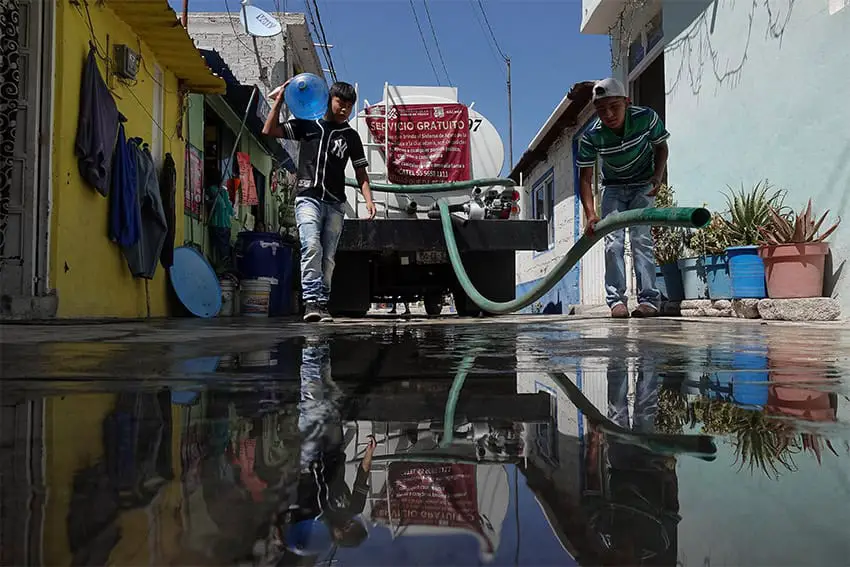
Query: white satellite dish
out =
(258, 23)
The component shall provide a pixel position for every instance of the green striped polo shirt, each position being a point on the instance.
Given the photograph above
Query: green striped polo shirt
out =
(629, 158)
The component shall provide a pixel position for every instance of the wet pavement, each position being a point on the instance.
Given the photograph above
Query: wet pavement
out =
(498, 441)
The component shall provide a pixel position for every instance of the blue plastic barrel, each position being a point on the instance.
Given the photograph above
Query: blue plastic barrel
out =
(265, 255)
(693, 278)
(306, 96)
(717, 274)
(746, 273)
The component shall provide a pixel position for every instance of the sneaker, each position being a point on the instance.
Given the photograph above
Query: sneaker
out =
(324, 315)
(312, 313)
(645, 310)
(619, 311)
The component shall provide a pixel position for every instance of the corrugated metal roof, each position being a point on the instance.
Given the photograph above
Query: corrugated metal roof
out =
(157, 25)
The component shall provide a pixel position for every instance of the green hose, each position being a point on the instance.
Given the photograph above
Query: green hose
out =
(675, 216)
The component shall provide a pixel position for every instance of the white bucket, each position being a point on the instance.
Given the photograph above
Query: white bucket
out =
(254, 297)
(228, 296)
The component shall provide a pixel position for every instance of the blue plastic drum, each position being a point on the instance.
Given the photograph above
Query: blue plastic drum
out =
(195, 283)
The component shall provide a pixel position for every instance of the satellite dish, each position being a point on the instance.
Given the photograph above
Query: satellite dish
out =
(259, 23)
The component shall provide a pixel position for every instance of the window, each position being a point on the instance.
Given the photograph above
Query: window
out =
(645, 40)
(543, 202)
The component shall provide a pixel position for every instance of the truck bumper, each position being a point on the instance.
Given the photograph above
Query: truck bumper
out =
(381, 235)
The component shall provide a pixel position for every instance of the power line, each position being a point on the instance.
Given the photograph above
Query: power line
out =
(436, 42)
(324, 40)
(493, 35)
(487, 38)
(425, 44)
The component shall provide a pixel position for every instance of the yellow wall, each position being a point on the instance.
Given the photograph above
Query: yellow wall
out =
(89, 271)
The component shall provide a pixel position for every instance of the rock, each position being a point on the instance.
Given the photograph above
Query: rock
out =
(722, 304)
(803, 309)
(746, 308)
(692, 312)
(718, 312)
(696, 304)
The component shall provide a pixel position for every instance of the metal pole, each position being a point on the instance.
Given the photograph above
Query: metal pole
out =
(185, 17)
(510, 118)
(238, 136)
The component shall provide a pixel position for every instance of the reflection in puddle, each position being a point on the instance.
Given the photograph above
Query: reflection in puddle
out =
(438, 446)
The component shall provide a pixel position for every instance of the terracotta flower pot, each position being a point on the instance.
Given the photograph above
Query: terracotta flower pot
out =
(794, 270)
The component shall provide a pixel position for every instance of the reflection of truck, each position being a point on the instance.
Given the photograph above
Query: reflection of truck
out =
(402, 254)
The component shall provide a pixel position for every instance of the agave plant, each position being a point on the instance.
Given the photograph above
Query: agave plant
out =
(669, 241)
(795, 228)
(750, 211)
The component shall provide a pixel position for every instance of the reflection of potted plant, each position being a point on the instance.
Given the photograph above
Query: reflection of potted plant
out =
(794, 251)
(711, 242)
(668, 247)
(749, 212)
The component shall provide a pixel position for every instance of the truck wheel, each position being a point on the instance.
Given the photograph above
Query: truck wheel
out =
(434, 304)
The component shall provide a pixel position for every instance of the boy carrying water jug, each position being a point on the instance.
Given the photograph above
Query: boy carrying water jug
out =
(326, 146)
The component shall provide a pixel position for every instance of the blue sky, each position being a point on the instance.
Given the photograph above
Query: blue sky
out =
(548, 54)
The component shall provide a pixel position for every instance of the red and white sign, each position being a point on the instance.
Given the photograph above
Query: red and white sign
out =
(431, 494)
(428, 143)
(246, 176)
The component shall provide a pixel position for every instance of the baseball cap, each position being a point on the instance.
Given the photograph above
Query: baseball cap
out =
(607, 88)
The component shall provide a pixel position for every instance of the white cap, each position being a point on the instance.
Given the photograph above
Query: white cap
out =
(607, 88)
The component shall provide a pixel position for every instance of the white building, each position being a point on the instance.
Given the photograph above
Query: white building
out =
(749, 91)
(549, 178)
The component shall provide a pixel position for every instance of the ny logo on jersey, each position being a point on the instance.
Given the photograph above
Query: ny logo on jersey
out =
(339, 148)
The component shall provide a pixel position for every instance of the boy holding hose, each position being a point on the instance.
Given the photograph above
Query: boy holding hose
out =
(631, 142)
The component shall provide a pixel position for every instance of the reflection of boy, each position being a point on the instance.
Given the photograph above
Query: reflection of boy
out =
(322, 493)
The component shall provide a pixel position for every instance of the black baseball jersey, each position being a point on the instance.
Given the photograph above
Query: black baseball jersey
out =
(325, 150)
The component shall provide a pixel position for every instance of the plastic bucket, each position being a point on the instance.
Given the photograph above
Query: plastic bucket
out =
(254, 297)
(746, 273)
(694, 282)
(717, 274)
(265, 255)
(668, 280)
(794, 270)
(743, 375)
(228, 297)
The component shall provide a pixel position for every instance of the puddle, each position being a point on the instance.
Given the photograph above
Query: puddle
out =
(517, 444)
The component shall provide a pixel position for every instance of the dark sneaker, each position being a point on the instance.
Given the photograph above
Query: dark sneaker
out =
(312, 312)
(619, 311)
(324, 315)
(645, 310)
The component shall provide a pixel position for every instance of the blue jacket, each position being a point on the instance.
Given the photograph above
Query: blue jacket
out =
(124, 215)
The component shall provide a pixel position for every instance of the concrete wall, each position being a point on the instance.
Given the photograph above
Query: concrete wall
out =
(531, 266)
(89, 272)
(757, 90)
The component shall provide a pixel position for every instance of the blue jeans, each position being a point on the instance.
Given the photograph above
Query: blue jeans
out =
(616, 199)
(319, 419)
(319, 228)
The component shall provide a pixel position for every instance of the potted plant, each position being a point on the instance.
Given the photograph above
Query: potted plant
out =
(668, 247)
(793, 251)
(692, 267)
(711, 243)
(748, 212)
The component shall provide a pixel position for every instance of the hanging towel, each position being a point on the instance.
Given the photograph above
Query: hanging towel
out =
(97, 127)
(168, 192)
(124, 216)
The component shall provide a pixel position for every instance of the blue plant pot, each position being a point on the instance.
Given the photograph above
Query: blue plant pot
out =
(746, 273)
(693, 278)
(744, 374)
(717, 275)
(668, 280)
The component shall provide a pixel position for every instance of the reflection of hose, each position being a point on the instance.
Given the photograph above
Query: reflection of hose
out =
(451, 403)
(676, 216)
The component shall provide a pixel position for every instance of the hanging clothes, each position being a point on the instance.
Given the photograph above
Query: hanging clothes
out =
(97, 127)
(168, 193)
(143, 257)
(124, 215)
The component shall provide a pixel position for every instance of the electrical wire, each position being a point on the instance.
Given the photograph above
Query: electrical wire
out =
(437, 42)
(424, 43)
(242, 41)
(489, 27)
(324, 39)
(487, 38)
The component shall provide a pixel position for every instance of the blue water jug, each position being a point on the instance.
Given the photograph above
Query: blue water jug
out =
(306, 97)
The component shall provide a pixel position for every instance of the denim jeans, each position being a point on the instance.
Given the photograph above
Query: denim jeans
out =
(640, 417)
(319, 228)
(616, 199)
(319, 419)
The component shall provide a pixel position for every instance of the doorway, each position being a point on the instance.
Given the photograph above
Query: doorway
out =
(25, 105)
